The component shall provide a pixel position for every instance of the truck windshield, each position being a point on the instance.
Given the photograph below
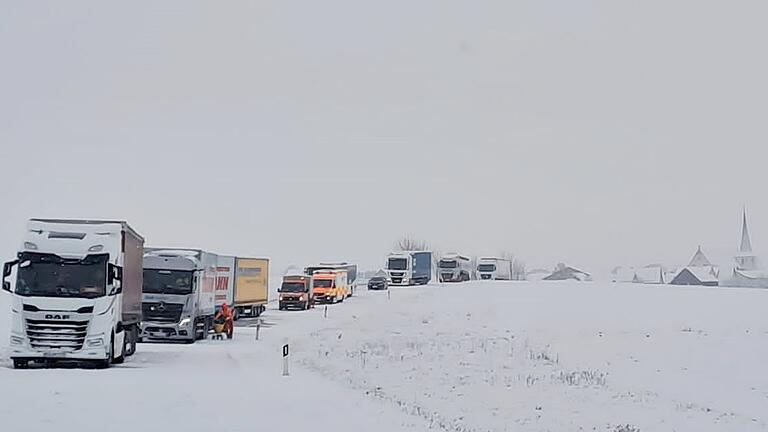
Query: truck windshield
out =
(292, 287)
(397, 264)
(167, 281)
(323, 283)
(447, 264)
(486, 267)
(48, 275)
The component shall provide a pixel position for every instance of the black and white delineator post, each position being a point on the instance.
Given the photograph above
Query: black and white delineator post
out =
(258, 328)
(285, 359)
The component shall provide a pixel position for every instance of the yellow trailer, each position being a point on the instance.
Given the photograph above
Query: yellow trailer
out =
(251, 286)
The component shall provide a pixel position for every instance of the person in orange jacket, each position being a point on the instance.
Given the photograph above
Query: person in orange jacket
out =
(226, 315)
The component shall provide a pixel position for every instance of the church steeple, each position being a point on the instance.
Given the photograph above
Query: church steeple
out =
(745, 259)
(746, 244)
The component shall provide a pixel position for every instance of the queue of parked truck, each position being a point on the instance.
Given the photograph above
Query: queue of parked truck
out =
(90, 290)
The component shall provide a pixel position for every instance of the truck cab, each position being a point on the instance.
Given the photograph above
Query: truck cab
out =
(77, 292)
(409, 268)
(179, 294)
(296, 291)
(329, 286)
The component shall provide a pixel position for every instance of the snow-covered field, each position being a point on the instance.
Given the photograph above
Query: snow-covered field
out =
(480, 356)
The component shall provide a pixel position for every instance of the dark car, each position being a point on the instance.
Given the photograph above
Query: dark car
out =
(378, 283)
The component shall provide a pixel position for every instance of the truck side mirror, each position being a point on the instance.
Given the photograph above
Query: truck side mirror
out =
(7, 270)
(114, 274)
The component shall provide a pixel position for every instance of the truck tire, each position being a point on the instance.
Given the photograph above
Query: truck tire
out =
(206, 329)
(131, 338)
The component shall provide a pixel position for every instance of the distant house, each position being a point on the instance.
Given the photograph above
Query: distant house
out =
(623, 274)
(699, 271)
(563, 272)
(652, 274)
(696, 276)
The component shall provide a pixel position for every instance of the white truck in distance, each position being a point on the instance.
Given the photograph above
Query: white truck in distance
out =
(490, 268)
(77, 295)
(179, 294)
(455, 268)
(409, 268)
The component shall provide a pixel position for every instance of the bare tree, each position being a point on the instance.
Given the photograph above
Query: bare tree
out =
(411, 244)
(518, 269)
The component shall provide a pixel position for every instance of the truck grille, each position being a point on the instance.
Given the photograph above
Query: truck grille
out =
(162, 312)
(65, 336)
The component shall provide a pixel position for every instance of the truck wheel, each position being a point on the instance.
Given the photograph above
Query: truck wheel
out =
(20, 364)
(206, 329)
(130, 346)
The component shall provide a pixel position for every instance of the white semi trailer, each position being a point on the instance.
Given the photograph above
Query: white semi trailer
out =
(491, 268)
(77, 294)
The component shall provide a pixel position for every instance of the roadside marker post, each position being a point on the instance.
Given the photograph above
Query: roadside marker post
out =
(325, 312)
(285, 359)
(258, 328)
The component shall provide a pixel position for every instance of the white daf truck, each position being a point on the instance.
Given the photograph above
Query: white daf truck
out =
(179, 294)
(77, 292)
(454, 267)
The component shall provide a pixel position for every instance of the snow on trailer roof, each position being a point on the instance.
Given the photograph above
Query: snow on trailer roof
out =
(122, 223)
(450, 256)
(172, 251)
(409, 252)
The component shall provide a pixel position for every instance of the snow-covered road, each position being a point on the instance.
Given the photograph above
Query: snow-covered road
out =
(481, 356)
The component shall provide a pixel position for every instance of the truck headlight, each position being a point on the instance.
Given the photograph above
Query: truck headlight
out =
(184, 322)
(17, 340)
(95, 342)
(301, 298)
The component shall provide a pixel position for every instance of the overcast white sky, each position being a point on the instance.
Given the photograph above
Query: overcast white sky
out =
(594, 132)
